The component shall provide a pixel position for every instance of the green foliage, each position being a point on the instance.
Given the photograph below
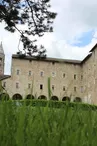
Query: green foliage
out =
(35, 14)
(56, 104)
(43, 125)
(49, 87)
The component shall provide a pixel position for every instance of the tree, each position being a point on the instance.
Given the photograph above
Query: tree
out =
(35, 14)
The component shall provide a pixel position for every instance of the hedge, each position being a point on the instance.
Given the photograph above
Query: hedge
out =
(55, 104)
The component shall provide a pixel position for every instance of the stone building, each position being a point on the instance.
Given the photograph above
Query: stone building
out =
(2, 58)
(65, 79)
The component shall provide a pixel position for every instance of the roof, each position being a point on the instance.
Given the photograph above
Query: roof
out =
(48, 59)
(90, 53)
(94, 47)
(2, 77)
(87, 57)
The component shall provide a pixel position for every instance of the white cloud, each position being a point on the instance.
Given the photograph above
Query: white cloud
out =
(74, 17)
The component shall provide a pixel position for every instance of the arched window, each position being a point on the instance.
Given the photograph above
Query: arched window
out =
(54, 98)
(42, 97)
(29, 96)
(65, 98)
(77, 99)
(4, 96)
(17, 96)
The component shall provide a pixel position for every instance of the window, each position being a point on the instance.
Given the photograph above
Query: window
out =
(74, 89)
(81, 77)
(52, 87)
(0, 60)
(29, 86)
(81, 89)
(63, 75)
(63, 88)
(4, 84)
(29, 72)
(53, 63)
(41, 86)
(41, 73)
(75, 77)
(53, 74)
(17, 85)
(18, 72)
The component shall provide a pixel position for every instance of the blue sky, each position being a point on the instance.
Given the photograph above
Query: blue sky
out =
(85, 39)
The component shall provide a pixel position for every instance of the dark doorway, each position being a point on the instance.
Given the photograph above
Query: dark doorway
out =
(66, 98)
(29, 96)
(54, 98)
(17, 96)
(42, 97)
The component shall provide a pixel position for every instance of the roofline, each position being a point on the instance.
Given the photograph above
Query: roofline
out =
(90, 53)
(87, 57)
(93, 48)
(3, 77)
(48, 59)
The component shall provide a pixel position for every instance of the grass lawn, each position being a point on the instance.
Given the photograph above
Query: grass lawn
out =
(44, 126)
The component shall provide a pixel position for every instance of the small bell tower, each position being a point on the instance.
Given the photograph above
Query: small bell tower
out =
(2, 59)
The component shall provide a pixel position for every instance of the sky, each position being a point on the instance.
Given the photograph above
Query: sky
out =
(75, 32)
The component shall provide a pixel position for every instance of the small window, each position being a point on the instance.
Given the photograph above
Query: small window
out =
(18, 71)
(29, 72)
(4, 84)
(63, 88)
(81, 89)
(75, 77)
(63, 75)
(53, 62)
(81, 77)
(17, 85)
(29, 86)
(53, 74)
(74, 89)
(41, 73)
(41, 87)
(0, 59)
(52, 87)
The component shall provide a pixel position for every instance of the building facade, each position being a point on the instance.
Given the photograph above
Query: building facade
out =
(2, 58)
(51, 78)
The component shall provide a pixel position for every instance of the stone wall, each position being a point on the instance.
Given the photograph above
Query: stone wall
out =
(61, 76)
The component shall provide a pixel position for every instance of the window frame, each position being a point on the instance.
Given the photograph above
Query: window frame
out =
(4, 84)
(64, 87)
(17, 85)
(75, 76)
(18, 72)
(30, 73)
(81, 77)
(41, 73)
(53, 87)
(53, 75)
(29, 85)
(75, 88)
(41, 86)
(63, 75)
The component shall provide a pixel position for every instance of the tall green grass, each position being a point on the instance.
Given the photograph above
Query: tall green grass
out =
(24, 125)
(47, 123)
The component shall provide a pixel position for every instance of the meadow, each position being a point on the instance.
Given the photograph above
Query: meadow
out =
(27, 124)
